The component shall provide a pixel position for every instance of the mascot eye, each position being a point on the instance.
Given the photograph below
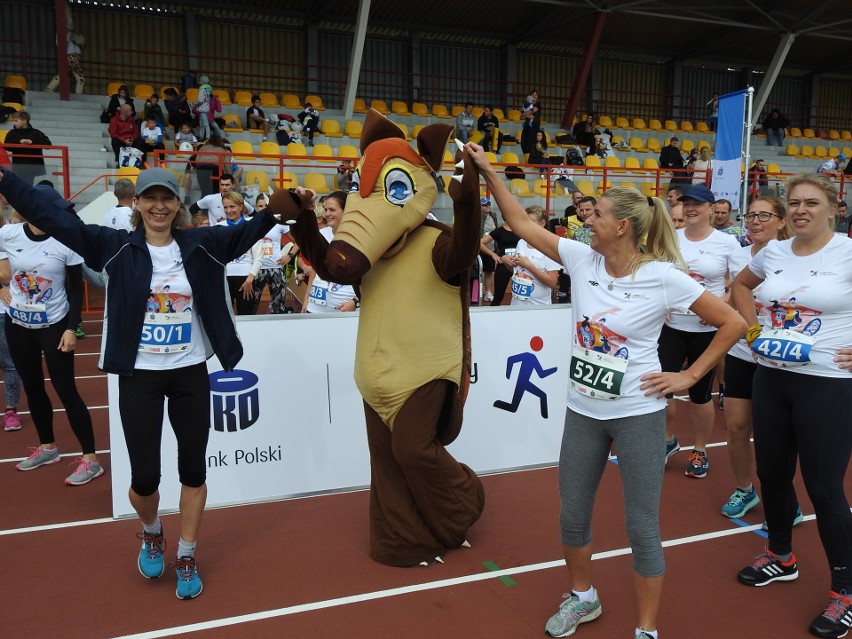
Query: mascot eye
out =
(356, 181)
(399, 187)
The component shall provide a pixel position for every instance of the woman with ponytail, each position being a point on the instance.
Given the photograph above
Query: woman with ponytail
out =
(623, 286)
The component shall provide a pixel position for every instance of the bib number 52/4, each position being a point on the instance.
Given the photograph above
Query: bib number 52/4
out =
(596, 375)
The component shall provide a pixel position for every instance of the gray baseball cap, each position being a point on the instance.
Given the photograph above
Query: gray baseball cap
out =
(157, 177)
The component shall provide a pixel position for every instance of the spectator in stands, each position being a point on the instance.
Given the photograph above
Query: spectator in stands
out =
(774, 125)
(124, 131)
(189, 80)
(714, 111)
(154, 110)
(73, 50)
(344, 175)
(118, 217)
(722, 222)
(122, 96)
(208, 164)
(151, 137)
(256, 118)
(584, 133)
(205, 108)
(671, 159)
(703, 167)
(465, 122)
(28, 163)
(178, 109)
(213, 205)
(758, 181)
(685, 176)
(578, 230)
(309, 117)
(538, 155)
(831, 168)
(532, 122)
(489, 125)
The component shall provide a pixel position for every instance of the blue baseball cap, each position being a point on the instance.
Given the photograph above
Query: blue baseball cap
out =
(699, 193)
(484, 201)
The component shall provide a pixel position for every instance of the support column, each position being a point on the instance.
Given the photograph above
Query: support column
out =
(812, 99)
(356, 59)
(190, 25)
(510, 78)
(771, 75)
(61, 49)
(416, 69)
(676, 89)
(312, 58)
(583, 70)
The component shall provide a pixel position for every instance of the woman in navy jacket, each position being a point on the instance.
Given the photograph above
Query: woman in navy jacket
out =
(166, 314)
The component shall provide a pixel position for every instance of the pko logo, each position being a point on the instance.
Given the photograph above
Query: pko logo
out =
(235, 400)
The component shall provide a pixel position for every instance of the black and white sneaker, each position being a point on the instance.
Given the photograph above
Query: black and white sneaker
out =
(767, 568)
(836, 619)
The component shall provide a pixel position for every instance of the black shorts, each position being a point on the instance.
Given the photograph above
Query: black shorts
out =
(675, 346)
(739, 375)
(487, 262)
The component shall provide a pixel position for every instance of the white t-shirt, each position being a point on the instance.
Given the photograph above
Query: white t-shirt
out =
(526, 289)
(617, 322)
(38, 291)
(3, 307)
(243, 265)
(215, 211)
(325, 296)
(709, 261)
(270, 246)
(118, 217)
(172, 335)
(807, 305)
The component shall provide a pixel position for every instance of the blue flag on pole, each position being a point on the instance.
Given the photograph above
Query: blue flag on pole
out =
(727, 176)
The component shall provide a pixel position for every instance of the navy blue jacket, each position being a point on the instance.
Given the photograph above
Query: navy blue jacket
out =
(125, 258)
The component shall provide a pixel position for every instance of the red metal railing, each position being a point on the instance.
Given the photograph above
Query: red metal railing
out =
(50, 152)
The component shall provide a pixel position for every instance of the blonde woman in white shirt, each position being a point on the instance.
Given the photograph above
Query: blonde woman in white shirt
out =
(535, 275)
(623, 286)
(702, 167)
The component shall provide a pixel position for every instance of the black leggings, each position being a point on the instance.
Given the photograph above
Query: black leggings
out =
(140, 403)
(244, 306)
(502, 275)
(807, 417)
(26, 345)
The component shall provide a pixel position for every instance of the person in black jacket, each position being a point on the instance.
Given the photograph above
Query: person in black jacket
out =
(166, 315)
(774, 125)
(671, 159)
(122, 96)
(27, 162)
(489, 125)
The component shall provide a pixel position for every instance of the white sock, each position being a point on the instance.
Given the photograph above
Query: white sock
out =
(652, 633)
(153, 528)
(587, 595)
(185, 548)
(747, 489)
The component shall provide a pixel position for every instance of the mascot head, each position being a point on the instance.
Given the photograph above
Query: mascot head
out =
(392, 192)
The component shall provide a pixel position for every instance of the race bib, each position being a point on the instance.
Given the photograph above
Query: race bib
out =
(164, 333)
(319, 292)
(522, 287)
(596, 375)
(267, 249)
(28, 315)
(783, 347)
(509, 252)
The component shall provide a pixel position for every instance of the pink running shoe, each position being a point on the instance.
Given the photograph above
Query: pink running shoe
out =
(11, 421)
(86, 471)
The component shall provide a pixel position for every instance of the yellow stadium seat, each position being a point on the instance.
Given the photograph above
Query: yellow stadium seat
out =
(420, 109)
(232, 123)
(15, 82)
(648, 189)
(822, 152)
(650, 163)
(773, 168)
(622, 123)
(627, 185)
(440, 111)
(834, 134)
(223, 95)
(477, 111)
(636, 144)
(593, 160)
(809, 133)
(285, 180)
(360, 106)
(290, 101)
(605, 120)
(612, 162)
(491, 157)
(448, 159)
(847, 151)
(701, 127)
(3, 133)
(14, 105)
(514, 115)
(510, 157)
(807, 151)
(670, 125)
(653, 145)
(539, 187)
(167, 86)
(415, 131)
(631, 163)
(242, 98)
(316, 182)
(270, 148)
(457, 108)
(846, 135)
(655, 125)
(520, 188)
(686, 126)
(192, 95)
(400, 108)
(129, 172)
(296, 148)
(330, 128)
(793, 150)
(586, 187)
(352, 129)
(795, 132)
(687, 145)
(639, 124)
(323, 153)
(347, 151)
(257, 177)
(380, 105)
(143, 91)
(404, 129)
(498, 113)
(315, 101)
(269, 100)
(242, 150)
(112, 88)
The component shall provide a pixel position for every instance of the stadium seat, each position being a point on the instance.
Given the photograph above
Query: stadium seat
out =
(586, 187)
(822, 152)
(653, 145)
(847, 151)
(317, 183)
(834, 134)
(648, 189)
(415, 131)
(846, 135)
(773, 168)
(510, 140)
(809, 133)
(242, 150)
(520, 188)
(352, 129)
(404, 129)
(456, 109)
(639, 124)
(605, 121)
(687, 145)
(14, 105)
(167, 86)
(223, 95)
(360, 106)
(650, 163)
(622, 123)
(232, 123)
(627, 185)
(514, 115)
(539, 187)
(315, 101)
(143, 91)
(686, 126)
(330, 128)
(323, 153)
(285, 180)
(509, 157)
(701, 127)
(3, 133)
(380, 105)
(270, 148)
(440, 111)
(296, 148)
(637, 145)
(807, 151)
(268, 100)
(257, 177)
(347, 151)
(290, 101)
(242, 98)
(15, 82)
(477, 111)
(612, 162)
(655, 125)
(631, 163)
(793, 150)
(498, 113)
(112, 88)
(491, 157)
(129, 172)
(448, 159)
(795, 132)
(399, 108)
(593, 160)
(420, 109)
(670, 125)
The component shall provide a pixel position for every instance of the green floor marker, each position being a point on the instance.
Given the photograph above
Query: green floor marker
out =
(491, 566)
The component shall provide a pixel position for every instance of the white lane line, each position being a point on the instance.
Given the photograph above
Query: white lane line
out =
(404, 590)
(68, 524)
(48, 379)
(13, 460)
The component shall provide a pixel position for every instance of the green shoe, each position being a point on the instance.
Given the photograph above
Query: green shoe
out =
(80, 333)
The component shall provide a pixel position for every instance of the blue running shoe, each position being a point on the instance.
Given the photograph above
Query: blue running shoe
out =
(698, 465)
(798, 519)
(150, 562)
(189, 583)
(740, 503)
(671, 448)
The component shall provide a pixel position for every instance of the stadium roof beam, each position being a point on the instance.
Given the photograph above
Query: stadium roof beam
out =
(771, 75)
(356, 59)
(584, 68)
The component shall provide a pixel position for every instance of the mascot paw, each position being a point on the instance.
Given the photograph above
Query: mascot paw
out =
(464, 186)
(286, 205)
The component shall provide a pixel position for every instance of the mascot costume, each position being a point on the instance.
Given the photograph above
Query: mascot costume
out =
(412, 357)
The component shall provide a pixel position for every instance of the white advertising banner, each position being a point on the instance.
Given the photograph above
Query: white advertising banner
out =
(290, 421)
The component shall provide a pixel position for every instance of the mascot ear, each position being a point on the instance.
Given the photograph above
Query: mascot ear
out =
(431, 143)
(378, 127)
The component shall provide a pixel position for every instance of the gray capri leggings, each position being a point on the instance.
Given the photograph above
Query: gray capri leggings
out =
(641, 454)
